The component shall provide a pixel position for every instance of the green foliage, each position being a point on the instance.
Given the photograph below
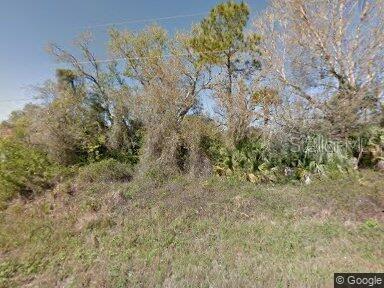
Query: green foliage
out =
(105, 171)
(256, 160)
(249, 160)
(229, 52)
(181, 226)
(199, 136)
(19, 122)
(73, 131)
(24, 170)
(322, 156)
(369, 145)
(66, 78)
(120, 233)
(222, 32)
(149, 44)
(371, 224)
(96, 113)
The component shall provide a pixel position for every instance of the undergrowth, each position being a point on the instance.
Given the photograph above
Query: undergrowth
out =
(193, 233)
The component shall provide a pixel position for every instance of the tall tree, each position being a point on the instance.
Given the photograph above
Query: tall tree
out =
(167, 82)
(328, 57)
(104, 93)
(229, 52)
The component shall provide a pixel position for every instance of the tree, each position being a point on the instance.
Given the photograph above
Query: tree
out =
(66, 78)
(67, 128)
(149, 54)
(326, 57)
(266, 99)
(167, 81)
(230, 54)
(102, 92)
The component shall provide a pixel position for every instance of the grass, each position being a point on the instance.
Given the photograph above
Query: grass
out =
(194, 233)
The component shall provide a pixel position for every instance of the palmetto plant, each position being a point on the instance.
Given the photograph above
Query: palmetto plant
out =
(321, 153)
(260, 161)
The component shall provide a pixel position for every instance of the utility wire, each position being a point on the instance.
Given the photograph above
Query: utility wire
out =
(147, 57)
(17, 100)
(120, 59)
(125, 58)
(146, 20)
(113, 60)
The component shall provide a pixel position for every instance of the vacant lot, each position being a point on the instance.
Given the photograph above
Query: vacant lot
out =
(190, 233)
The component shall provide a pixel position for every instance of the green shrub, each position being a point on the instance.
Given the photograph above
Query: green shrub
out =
(369, 146)
(323, 156)
(24, 171)
(259, 161)
(105, 171)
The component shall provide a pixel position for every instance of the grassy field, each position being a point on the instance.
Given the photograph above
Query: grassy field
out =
(190, 233)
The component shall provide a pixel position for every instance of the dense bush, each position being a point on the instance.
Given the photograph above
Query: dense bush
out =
(369, 146)
(24, 171)
(259, 160)
(105, 171)
(151, 110)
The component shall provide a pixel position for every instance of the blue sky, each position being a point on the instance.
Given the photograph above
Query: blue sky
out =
(27, 26)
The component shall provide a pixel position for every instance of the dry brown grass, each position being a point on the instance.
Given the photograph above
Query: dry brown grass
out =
(194, 233)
